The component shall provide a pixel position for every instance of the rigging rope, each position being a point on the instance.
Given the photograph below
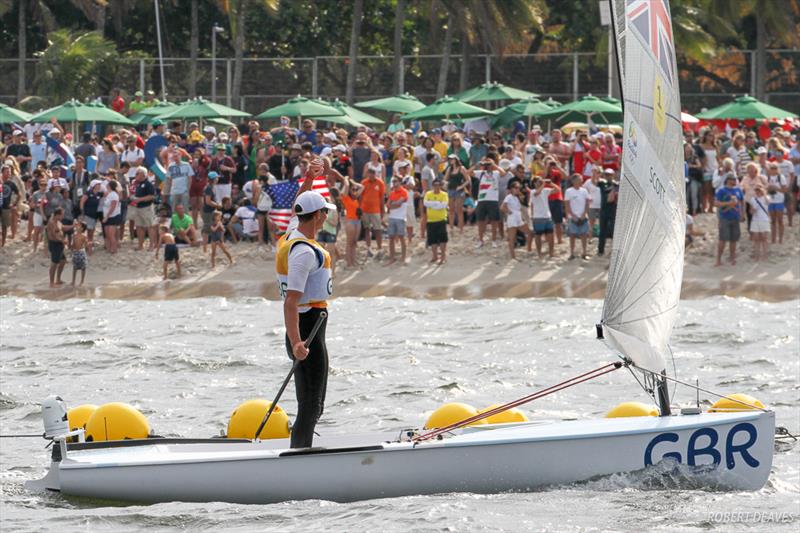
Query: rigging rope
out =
(597, 372)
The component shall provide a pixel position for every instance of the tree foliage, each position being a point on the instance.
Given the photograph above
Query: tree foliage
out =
(74, 65)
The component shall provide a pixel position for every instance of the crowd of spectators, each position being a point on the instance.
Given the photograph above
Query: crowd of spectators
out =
(521, 188)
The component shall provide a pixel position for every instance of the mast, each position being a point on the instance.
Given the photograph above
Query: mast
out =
(647, 255)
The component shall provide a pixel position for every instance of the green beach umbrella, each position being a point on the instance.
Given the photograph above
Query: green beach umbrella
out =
(148, 114)
(745, 108)
(221, 122)
(400, 103)
(9, 115)
(300, 107)
(585, 109)
(75, 111)
(611, 100)
(528, 108)
(349, 114)
(201, 109)
(448, 107)
(552, 103)
(491, 91)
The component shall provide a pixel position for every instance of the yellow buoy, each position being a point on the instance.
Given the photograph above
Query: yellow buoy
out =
(505, 417)
(450, 413)
(116, 421)
(246, 418)
(627, 409)
(78, 416)
(728, 405)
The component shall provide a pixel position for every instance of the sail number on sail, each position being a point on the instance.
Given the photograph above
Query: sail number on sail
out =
(703, 442)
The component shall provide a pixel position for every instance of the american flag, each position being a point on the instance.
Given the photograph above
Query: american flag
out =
(651, 19)
(283, 195)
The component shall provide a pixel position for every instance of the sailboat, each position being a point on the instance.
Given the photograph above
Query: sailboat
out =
(721, 450)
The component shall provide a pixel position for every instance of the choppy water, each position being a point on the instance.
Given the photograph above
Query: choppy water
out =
(186, 364)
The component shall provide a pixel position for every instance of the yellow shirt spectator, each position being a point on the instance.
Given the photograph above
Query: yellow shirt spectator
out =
(436, 206)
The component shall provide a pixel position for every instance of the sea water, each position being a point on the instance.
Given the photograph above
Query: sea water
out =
(186, 364)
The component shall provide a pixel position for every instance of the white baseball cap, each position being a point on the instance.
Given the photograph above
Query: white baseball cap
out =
(325, 151)
(505, 164)
(17, 132)
(340, 148)
(210, 129)
(330, 136)
(311, 202)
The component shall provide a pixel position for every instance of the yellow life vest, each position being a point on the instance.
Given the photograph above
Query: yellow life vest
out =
(319, 285)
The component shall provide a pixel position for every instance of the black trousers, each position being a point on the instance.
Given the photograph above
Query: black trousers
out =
(607, 217)
(310, 380)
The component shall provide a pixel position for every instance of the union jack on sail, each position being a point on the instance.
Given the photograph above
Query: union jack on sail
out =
(651, 20)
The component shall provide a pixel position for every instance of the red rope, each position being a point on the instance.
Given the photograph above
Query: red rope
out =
(597, 372)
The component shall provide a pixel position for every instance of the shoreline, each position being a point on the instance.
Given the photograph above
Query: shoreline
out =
(422, 282)
(469, 274)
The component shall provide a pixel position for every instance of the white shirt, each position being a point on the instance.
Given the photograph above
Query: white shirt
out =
(578, 201)
(489, 188)
(514, 206)
(132, 157)
(540, 205)
(594, 194)
(302, 261)
(248, 218)
(110, 198)
(761, 208)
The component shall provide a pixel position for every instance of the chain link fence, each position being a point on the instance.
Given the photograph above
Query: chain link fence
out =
(267, 82)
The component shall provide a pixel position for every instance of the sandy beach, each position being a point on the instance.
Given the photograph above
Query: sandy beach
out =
(470, 273)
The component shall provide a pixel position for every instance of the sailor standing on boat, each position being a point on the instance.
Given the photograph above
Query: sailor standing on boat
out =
(304, 277)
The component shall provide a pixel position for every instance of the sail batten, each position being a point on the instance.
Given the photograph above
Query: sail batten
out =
(646, 267)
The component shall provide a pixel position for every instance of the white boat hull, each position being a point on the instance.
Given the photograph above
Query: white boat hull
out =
(729, 451)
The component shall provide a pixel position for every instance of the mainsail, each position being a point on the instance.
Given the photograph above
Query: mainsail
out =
(644, 279)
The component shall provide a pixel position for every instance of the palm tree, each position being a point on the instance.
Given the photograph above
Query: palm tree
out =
(399, 20)
(771, 23)
(194, 44)
(444, 66)
(237, 19)
(95, 11)
(39, 14)
(492, 26)
(23, 49)
(355, 36)
(75, 66)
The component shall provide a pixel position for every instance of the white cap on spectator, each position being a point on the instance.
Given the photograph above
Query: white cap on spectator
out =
(325, 151)
(222, 136)
(210, 129)
(340, 148)
(17, 132)
(505, 164)
(330, 136)
(311, 202)
(609, 171)
(761, 150)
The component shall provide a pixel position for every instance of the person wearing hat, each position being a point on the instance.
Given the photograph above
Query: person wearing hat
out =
(225, 166)
(303, 268)
(729, 202)
(157, 127)
(19, 150)
(150, 98)
(137, 104)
